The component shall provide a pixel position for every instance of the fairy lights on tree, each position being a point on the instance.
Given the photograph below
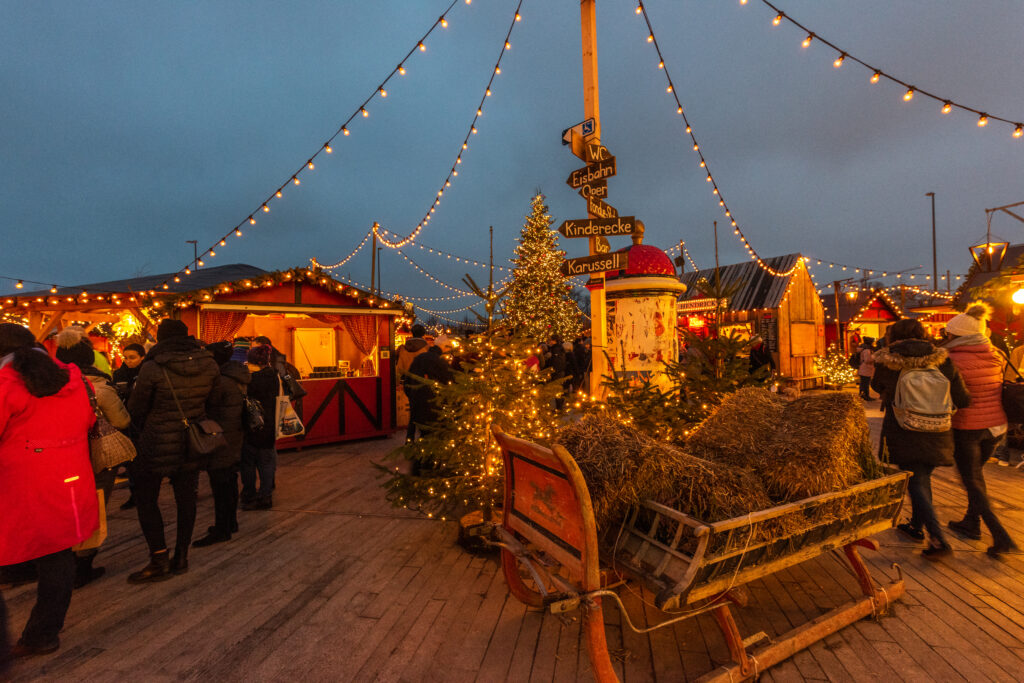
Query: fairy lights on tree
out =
(539, 302)
(835, 366)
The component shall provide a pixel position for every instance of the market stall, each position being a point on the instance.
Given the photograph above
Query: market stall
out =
(339, 338)
(785, 312)
(861, 314)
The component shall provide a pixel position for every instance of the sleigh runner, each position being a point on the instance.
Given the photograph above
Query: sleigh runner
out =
(551, 557)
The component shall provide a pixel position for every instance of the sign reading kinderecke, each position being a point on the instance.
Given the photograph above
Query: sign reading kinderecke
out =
(600, 227)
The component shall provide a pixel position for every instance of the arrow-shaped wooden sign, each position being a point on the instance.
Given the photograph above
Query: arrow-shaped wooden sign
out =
(572, 267)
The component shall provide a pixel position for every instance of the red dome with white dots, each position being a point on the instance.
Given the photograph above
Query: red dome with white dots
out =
(644, 260)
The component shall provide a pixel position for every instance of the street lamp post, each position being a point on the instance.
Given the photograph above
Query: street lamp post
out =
(935, 263)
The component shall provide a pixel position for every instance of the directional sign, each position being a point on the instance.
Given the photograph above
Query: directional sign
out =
(583, 128)
(598, 189)
(595, 207)
(594, 264)
(597, 171)
(601, 245)
(597, 152)
(600, 227)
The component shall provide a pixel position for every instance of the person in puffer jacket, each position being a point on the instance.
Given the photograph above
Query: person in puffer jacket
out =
(180, 362)
(917, 452)
(978, 428)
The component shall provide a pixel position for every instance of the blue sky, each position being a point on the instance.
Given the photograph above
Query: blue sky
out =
(129, 129)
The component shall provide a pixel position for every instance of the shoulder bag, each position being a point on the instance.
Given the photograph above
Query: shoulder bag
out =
(286, 420)
(252, 416)
(204, 435)
(1013, 396)
(108, 447)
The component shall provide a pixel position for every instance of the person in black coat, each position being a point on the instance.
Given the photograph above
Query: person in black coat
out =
(917, 452)
(426, 366)
(259, 457)
(226, 406)
(180, 362)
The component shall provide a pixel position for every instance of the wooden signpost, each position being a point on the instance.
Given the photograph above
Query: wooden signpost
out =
(599, 263)
(595, 207)
(599, 170)
(600, 227)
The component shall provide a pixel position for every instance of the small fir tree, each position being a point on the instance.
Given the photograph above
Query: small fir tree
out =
(835, 365)
(539, 301)
(460, 465)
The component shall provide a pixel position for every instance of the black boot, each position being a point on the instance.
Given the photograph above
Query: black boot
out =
(214, 536)
(158, 569)
(966, 528)
(179, 563)
(84, 571)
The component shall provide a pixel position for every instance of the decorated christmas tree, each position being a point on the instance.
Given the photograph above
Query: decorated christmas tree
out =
(539, 302)
(835, 365)
(458, 466)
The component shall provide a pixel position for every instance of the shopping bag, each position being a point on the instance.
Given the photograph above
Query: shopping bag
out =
(287, 422)
(100, 535)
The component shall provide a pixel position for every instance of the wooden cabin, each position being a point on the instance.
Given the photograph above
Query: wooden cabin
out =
(340, 338)
(862, 313)
(784, 311)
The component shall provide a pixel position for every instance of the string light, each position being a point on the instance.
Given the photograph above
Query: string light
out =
(398, 244)
(703, 161)
(379, 91)
(428, 275)
(878, 74)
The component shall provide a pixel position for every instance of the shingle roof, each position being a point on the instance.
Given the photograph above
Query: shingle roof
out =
(760, 289)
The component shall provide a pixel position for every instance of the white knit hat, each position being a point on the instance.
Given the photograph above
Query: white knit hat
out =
(971, 322)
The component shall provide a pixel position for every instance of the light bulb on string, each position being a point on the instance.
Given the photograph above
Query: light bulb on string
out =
(778, 19)
(947, 107)
(807, 40)
(19, 285)
(875, 76)
(444, 23)
(423, 48)
(238, 233)
(839, 60)
(909, 95)
(362, 110)
(279, 194)
(309, 165)
(252, 221)
(983, 120)
(1018, 131)
(266, 209)
(327, 148)
(344, 130)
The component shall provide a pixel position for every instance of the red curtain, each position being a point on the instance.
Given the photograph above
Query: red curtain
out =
(329, 318)
(363, 329)
(221, 325)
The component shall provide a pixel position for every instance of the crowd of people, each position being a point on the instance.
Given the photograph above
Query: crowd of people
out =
(973, 369)
(49, 501)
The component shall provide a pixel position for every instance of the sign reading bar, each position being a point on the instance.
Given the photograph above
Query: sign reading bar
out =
(598, 189)
(594, 264)
(601, 245)
(600, 227)
(595, 207)
(597, 171)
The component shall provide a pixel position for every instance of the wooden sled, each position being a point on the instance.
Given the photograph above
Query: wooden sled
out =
(551, 559)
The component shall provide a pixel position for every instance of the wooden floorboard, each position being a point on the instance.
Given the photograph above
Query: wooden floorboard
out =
(333, 584)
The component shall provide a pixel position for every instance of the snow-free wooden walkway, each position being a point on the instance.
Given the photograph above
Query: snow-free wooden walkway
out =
(334, 585)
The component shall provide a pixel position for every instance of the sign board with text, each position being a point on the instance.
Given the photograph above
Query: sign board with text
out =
(594, 264)
(600, 227)
(595, 207)
(598, 189)
(600, 170)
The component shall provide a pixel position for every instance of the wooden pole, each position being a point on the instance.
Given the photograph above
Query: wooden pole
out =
(592, 110)
(373, 263)
(840, 342)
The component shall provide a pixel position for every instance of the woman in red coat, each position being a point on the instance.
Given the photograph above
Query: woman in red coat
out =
(978, 428)
(47, 492)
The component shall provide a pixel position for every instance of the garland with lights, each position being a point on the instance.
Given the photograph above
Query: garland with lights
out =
(538, 302)
(948, 105)
(459, 464)
(671, 89)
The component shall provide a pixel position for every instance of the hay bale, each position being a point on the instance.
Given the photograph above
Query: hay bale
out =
(623, 467)
(815, 444)
(821, 444)
(737, 431)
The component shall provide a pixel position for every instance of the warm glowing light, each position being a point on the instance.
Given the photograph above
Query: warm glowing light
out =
(309, 165)
(909, 95)
(807, 40)
(444, 22)
(982, 121)
(839, 60)
(383, 92)
(401, 69)
(266, 209)
(295, 180)
(362, 110)
(53, 289)
(1018, 296)
(20, 285)
(327, 148)
(252, 221)
(650, 38)
(423, 48)
(1018, 131)
(947, 107)
(875, 76)
(508, 45)
(344, 130)
(778, 19)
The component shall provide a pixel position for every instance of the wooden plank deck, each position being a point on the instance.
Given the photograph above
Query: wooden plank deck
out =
(334, 585)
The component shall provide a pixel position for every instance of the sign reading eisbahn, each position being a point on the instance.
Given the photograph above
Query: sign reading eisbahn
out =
(595, 264)
(601, 170)
(600, 227)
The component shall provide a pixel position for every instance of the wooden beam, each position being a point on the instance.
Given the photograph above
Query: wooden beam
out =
(54, 320)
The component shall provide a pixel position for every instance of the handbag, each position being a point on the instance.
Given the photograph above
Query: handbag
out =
(1013, 396)
(108, 447)
(97, 537)
(286, 420)
(204, 435)
(253, 413)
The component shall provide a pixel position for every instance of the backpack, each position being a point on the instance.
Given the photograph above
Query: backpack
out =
(921, 402)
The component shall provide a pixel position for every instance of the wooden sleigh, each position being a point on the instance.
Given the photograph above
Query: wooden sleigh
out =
(551, 559)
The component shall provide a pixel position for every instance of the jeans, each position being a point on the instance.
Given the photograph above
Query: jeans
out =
(224, 486)
(261, 461)
(971, 448)
(922, 515)
(865, 386)
(147, 500)
(53, 596)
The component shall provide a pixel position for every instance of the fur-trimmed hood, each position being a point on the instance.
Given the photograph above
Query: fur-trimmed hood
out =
(911, 354)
